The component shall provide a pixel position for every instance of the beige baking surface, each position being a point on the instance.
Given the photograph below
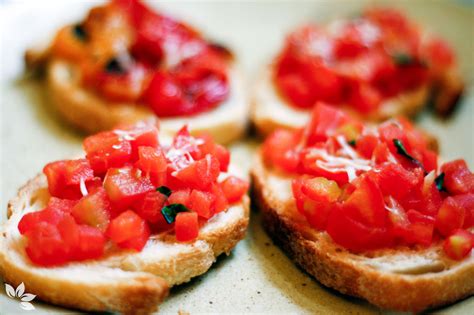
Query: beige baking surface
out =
(257, 277)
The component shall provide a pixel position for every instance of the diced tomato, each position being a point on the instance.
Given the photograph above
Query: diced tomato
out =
(353, 234)
(394, 180)
(93, 210)
(107, 150)
(129, 231)
(223, 155)
(186, 226)
(450, 216)
(220, 201)
(278, 149)
(63, 205)
(139, 134)
(126, 185)
(31, 219)
(381, 153)
(234, 188)
(45, 246)
(64, 177)
(466, 202)
(458, 245)
(91, 243)
(316, 199)
(366, 145)
(421, 228)
(179, 197)
(458, 179)
(152, 162)
(296, 89)
(365, 98)
(310, 165)
(149, 207)
(201, 203)
(324, 121)
(430, 160)
(391, 130)
(430, 196)
(366, 204)
(440, 53)
(200, 174)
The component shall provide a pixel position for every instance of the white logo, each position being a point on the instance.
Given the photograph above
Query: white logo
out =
(25, 298)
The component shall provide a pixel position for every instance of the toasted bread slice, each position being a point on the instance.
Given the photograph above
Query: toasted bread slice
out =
(128, 282)
(91, 113)
(405, 279)
(271, 111)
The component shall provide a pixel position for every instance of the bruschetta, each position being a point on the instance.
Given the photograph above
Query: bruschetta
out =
(374, 66)
(367, 210)
(125, 63)
(115, 230)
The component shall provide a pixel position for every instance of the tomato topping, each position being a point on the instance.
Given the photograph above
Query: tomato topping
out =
(372, 186)
(126, 185)
(65, 177)
(107, 149)
(128, 188)
(93, 210)
(186, 226)
(234, 188)
(458, 179)
(129, 231)
(368, 60)
(459, 244)
(450, 216)
(201, 203)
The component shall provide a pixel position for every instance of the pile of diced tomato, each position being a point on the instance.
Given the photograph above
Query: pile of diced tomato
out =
(358, 62)
(396, 194)
(127, 188)
(128, 53)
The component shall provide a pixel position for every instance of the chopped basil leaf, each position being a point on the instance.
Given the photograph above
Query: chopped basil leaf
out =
(170, 211)
(114, 67)
(402, 151)
(402, 59)
(164, 190)
(439, 181)
(79, 32)
(352, 142)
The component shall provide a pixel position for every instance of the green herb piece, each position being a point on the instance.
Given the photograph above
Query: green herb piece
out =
(171, 211)
(439, 181)
(402, 151)
(402, 59)
(79, 32)
(164, 190)
(352, 142)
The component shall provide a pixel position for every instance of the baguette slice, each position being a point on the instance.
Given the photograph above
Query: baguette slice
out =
(91, 113)
(404, 279)
(126, 282)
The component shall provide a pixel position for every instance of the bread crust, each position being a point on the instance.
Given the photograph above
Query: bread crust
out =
(127, 282)
(361, 275)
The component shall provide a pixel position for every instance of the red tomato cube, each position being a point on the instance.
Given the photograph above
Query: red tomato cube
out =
(396, 181)
(106, 150)
(139, 134)
(93, 210)
(126, 185)
(420, 230)
(149, 208)
(366, 203)
(366, 145)
(201, 203)
(324, 120)
(179, 197)
(234, 188)
(128, 230)
(458, 179)
(458, 245)
(186, 226)
(63, 205)
(277, 149)
(31, 219)
(200, 174)
(151, 160)
(45, 246)
(64, 177)
(450, 217)
(220, 201)
(91, 243)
